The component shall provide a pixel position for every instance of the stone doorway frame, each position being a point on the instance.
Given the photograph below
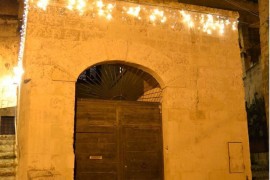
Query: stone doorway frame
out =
(160, 82)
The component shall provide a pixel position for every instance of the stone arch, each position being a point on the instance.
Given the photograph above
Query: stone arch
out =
(155, 75)
(149, 59)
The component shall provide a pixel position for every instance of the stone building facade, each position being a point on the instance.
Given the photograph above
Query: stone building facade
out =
(203, 112)
(254, 53)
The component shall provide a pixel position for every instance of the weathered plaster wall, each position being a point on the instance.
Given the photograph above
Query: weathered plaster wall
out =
(9, 45)
(203, 100)
(253, 83)
(264, 37)
(252, 70)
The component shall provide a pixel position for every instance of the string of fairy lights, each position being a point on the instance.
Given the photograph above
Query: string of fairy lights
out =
(18, 70)
(207, 23)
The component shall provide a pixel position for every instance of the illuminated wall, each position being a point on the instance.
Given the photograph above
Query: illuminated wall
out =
(194, 54)
(9, 44)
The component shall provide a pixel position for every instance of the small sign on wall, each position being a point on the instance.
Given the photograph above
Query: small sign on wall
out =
(95, 157)
(236, 160)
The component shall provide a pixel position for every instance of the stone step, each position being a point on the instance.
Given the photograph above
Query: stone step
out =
(7, 171)
(7, 155)
(8, 163)
(260, 178)
(7, 137)
(261, 158)
(260, 174)
(7, 142)
(259, 167)
(7, 148)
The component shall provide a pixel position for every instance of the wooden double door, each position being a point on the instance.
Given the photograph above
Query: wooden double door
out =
(118, 141)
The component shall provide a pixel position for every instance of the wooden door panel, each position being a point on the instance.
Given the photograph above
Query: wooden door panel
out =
(141, 146)
(146, 161)
(96, 137)
(117, 140)
(142, 153)
(95, 129)
(95, 113)
(97, 154)
(97, 116)
(95, 148)
(96, 176)
(142, 139)
(137, 115)
(143, 175)
(92, 166)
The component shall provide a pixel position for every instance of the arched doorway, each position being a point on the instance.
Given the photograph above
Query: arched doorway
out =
(118, 126)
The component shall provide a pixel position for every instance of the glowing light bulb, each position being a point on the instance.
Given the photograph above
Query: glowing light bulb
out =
(221, 31)
(234, 25)
(100, 4)
(110, 7)
(71, 3)
(134, 11)
(42, 4)
(152, 18)
(163, 20)
(80, 5)
(182, 12)
(109, 17)
(158, 12)
(190, 24)
(222, 26)
(227, 22)
(101, 12)
(209, 31)
(187, 18)
(210, 18)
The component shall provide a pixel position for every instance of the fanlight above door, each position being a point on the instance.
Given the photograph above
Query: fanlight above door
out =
(117, 82)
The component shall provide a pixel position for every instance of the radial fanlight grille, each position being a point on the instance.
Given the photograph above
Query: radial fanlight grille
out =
(117, 82)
